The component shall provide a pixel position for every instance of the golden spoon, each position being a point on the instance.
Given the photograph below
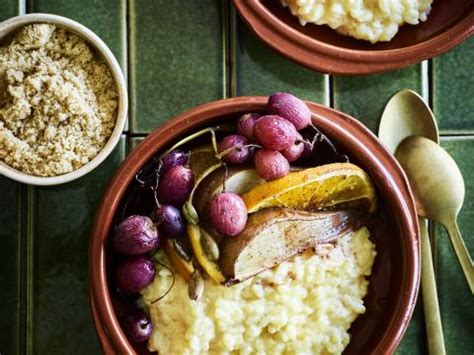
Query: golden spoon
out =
(438, 187)
(406, 114)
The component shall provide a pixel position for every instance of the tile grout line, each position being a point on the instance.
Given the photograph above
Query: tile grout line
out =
(22, 279)
(428, 96)
(30, 270)
(425, 94)
(130, 19)
(24, 307)
(225, 50)
(327, 90)
(431, 83)
(425, 82)
(233, 50)
(125, 55)
(28, 249)
(332, 90)
(22, 7)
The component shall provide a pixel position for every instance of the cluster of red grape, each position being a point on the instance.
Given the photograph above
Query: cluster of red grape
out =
(274, 142)
(137, 237)
(276, 133)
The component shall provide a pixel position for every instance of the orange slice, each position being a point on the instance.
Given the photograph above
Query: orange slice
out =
(316, 188)
(184, 268)
(211, 268)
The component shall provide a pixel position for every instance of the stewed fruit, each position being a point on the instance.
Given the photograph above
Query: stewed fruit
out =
(291, 108)
(137, 326)
(275, 132)
(170, 221)
(135, 235)
(176, 157)
(134, 273)
(246, 125)
(234, 149)
(271, 164)
(295, 151)
(175, 185)
(228, 213)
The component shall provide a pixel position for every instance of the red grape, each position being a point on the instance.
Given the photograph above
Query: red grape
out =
(134, 273)
(175, 185)
(246, 123)
(137, 326)
(135, 235)
(274, 132)
(174, 158)
(295, 151)
(170, 221)
(228, 213)
(271, 164)
(239, 153)
(291, 108)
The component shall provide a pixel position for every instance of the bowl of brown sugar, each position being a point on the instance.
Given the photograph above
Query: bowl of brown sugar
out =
(63, 100)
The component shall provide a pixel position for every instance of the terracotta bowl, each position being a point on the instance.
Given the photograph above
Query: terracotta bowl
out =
(323, 49)
(395, 279)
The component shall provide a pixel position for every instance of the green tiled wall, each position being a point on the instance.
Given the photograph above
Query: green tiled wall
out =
(453, 83)
(364, 97)
(176, 57)
(261, 71)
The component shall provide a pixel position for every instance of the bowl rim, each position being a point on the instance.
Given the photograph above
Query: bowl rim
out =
(324, 57)
(99, 45)
(110, 334)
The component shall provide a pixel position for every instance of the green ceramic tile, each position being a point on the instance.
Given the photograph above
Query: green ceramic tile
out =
(176, 59)
(456, 305)
(10, 270)
(107, 18)
(453, 83)
(261, 71)
(364, 97)
(413, 343)
(63, 215)
(9, 8)
(134, 142)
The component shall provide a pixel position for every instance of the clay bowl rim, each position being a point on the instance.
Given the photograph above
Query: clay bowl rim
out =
(324, 57)
(13, 24)
(108, 328)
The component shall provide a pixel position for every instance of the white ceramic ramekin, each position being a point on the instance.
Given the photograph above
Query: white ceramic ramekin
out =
(8, 27)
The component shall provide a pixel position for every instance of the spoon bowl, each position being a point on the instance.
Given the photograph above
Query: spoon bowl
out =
(437, 183)
(406, 114)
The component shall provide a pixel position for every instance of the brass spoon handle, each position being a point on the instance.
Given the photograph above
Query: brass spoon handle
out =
(434, 330)
(461, 252)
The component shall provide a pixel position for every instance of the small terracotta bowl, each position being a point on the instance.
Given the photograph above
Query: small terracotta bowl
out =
(323, 49)
(395, 278)
(12, 25)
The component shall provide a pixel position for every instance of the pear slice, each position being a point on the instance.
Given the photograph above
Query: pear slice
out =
(238, 179)
(275, 234)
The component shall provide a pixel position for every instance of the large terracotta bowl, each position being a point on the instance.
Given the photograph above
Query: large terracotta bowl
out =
(395, 278)
(323, 49)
